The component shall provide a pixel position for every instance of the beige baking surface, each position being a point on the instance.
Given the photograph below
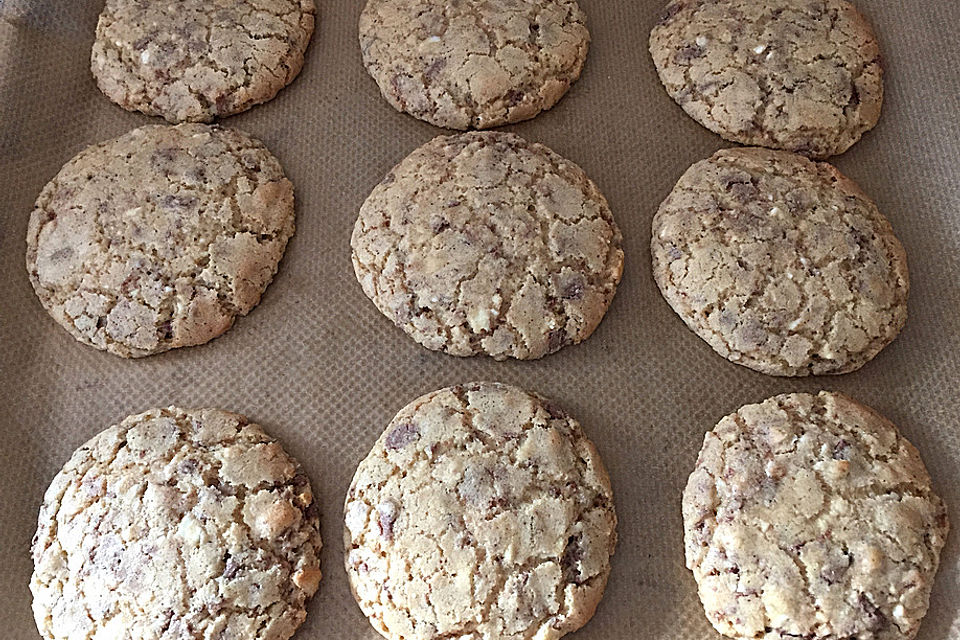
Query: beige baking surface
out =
(318, 366)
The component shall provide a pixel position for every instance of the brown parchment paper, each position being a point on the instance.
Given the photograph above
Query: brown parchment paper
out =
(323, 371)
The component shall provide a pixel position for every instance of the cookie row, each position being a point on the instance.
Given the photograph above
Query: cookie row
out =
(479, 243)
(798, 75)
(455, 64)
(483, 511)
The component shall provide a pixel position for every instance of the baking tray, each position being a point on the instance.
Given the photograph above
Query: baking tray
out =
(323, 371)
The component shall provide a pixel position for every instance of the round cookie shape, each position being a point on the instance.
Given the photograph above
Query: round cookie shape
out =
(159, 238)
(812, 517)
(801, 75)
(194, 60)
(781, 264)
(485, 243)
(176, 523)
(473, 64)
(482, 511)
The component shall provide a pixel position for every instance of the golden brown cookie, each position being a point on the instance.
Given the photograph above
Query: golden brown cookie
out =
(801, 75)
(483, 511)
(812, 517)
(781, 264)
(194, 60)
(486, 243)
(177, 524)
(159, 238)
(473, 64)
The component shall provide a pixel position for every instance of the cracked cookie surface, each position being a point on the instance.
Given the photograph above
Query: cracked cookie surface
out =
(482, 512)
(802, 75)
(781, 264)
(159, 238)
(486, 243)
(176, 524)
(812, 517)
(194, 60)
(472, 64)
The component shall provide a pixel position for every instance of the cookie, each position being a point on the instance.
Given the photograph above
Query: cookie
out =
(482, 511)
(159, 238)
(176, 524)
(812, 517)
(486, 243)
(801, 75)
(781, 264)
(193, 60)
(473, 64)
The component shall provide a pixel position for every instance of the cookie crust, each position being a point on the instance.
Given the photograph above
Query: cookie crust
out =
(472, 64)
(801, 75)
(176, 523)
(486, 243)
(484, 512)
(781, 264)
(194, 60)
(159, 238)
(812, 517)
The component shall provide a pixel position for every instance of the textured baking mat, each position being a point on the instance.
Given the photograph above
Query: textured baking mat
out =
(320, 368)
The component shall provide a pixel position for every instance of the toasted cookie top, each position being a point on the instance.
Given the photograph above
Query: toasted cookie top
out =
(194, 60)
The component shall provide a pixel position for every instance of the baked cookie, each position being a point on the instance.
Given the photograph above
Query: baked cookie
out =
(486, 243)
(484, 512)
(159, 238)
(781, 264)
(176, 524)
(812, 517)
(472, 63)
(194, 60)
(802, 75)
